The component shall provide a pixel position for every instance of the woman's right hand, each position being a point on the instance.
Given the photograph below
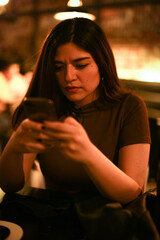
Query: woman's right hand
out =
(29, 138)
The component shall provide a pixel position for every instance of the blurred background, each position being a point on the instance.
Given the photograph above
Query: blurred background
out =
(131, 26)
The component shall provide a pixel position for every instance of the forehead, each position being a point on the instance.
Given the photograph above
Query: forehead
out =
(72, 51)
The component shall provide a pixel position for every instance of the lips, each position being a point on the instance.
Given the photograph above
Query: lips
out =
(72, 89)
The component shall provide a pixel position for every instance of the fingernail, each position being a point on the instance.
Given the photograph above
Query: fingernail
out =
(39, 140)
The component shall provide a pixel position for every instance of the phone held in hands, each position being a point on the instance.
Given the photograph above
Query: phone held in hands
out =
(39, 109)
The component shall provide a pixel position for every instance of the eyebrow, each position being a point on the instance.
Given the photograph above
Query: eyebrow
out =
(75, 60)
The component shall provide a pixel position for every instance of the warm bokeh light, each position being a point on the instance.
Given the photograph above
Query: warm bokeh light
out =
(3, 2)
(72, 14)
(74, 3)
(67, 15)
(137, 63)
(146, 74)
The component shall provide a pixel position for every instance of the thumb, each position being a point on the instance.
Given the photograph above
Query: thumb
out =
(71, 120)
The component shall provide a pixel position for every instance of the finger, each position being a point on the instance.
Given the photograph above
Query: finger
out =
(39, 146)
(39, 135)
(72, 121)
(57, 126)
(46, 142)
(28, 124)
(34, 130)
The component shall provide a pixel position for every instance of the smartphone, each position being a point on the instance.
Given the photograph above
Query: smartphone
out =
(39, 109)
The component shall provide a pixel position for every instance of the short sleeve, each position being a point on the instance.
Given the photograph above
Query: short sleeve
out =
(134, 122)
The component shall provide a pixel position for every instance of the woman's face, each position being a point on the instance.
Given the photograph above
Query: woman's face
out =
(77, 74)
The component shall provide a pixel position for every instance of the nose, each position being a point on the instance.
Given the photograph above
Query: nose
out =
(70, 73)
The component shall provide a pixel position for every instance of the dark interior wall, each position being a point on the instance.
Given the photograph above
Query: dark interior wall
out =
(21, 35)
(25, 23)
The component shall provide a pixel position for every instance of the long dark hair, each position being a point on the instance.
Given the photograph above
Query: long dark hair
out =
(87, 35)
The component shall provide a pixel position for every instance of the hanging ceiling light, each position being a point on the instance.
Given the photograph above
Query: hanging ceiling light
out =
(71, 13)
(74, 3)
(3, 2)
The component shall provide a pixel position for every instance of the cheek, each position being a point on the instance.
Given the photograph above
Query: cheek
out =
(94, 71)
(92, 83)
(93, 77)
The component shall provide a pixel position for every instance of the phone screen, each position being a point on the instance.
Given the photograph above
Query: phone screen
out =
(39, 109)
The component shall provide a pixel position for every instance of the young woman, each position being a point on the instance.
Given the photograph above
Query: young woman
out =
(103, 141)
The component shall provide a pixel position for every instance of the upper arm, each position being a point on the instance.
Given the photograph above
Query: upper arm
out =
(133, 160)
(28, 160)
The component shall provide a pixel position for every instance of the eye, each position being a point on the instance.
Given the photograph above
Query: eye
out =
(81, 66)
(58, 68)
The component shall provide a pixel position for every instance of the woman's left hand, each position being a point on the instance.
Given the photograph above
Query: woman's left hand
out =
(70, 137)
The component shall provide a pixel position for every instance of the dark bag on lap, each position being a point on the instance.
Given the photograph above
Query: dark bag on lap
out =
(83, 216)
(110, 220)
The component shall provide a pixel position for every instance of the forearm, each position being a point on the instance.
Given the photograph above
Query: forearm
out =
(11, 170)
(111, 181)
